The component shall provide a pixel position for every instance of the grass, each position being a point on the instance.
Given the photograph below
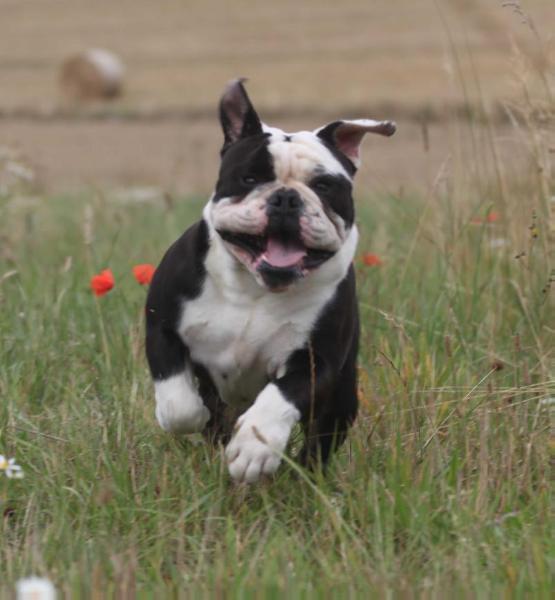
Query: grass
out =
(443, 485)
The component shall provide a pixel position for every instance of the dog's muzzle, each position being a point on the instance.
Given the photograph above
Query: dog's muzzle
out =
(279, 255)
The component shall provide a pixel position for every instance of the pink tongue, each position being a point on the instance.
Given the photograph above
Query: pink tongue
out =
(279, 255)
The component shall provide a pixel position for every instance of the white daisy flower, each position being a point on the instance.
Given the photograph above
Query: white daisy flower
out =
(498, 242)
(10, 468)
(35, 588)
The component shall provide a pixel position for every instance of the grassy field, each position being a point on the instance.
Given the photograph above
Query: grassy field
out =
(443, 487)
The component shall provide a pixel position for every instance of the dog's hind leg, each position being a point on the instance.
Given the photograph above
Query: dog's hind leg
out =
(328, 429)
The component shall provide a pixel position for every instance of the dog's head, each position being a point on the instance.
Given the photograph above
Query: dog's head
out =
(282, 204)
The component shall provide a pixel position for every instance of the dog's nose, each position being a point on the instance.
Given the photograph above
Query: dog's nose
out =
(284, 201)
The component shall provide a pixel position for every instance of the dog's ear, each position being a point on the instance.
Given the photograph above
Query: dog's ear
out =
(237, 114)
(346, 136)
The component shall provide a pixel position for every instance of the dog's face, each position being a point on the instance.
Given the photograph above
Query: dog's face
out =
(283, 203)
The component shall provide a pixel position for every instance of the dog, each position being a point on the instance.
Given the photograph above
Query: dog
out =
(251, 318)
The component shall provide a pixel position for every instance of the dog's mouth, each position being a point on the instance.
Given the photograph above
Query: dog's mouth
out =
(280, 260)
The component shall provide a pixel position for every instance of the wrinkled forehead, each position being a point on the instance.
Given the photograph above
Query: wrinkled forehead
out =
(300, 155)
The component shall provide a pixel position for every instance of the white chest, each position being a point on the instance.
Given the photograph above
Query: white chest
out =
(244, 342)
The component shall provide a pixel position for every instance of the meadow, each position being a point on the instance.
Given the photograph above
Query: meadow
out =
(443, 486)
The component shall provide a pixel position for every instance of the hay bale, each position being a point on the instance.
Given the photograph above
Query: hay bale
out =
(93, 74)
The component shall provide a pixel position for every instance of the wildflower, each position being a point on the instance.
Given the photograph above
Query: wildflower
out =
(534, 232)
(144, 273)
(102, 283)
(371, 260)
(10, 468)
(35, 588)
(491, 217)
(496, 243)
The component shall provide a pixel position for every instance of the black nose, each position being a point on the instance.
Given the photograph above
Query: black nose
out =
(284, 201)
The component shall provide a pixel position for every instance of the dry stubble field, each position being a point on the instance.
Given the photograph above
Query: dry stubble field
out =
(308, 63)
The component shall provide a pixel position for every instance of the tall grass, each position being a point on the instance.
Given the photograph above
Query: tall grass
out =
(444, 484)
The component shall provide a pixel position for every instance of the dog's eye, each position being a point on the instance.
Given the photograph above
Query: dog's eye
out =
(321, 186)
(248, 180)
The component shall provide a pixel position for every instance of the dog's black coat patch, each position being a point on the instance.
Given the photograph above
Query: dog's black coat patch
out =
(245, 159)
(335, 192)
(321, 378)
(179, 276)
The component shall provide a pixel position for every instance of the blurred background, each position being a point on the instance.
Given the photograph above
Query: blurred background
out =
(433, 65)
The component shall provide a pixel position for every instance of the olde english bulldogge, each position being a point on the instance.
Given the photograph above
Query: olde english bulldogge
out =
(252, 320)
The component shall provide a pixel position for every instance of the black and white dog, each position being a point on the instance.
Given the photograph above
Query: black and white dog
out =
(252, 320)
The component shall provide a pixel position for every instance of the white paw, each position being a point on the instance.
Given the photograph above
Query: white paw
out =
(261, 438)
(179, 408)
(253, 453)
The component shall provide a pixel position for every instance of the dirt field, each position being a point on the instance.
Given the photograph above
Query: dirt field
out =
(318, 59)
(182, 156)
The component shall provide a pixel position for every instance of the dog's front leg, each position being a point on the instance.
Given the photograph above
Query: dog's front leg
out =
(179, 407)
(261, 435)
(304, 392)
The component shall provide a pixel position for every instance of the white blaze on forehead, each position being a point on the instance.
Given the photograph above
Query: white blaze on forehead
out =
(298, 156)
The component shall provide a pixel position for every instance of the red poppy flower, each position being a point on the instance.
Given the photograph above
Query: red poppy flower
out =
(102, 283)
(371, 260)
(491, 217)
(144, 273)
